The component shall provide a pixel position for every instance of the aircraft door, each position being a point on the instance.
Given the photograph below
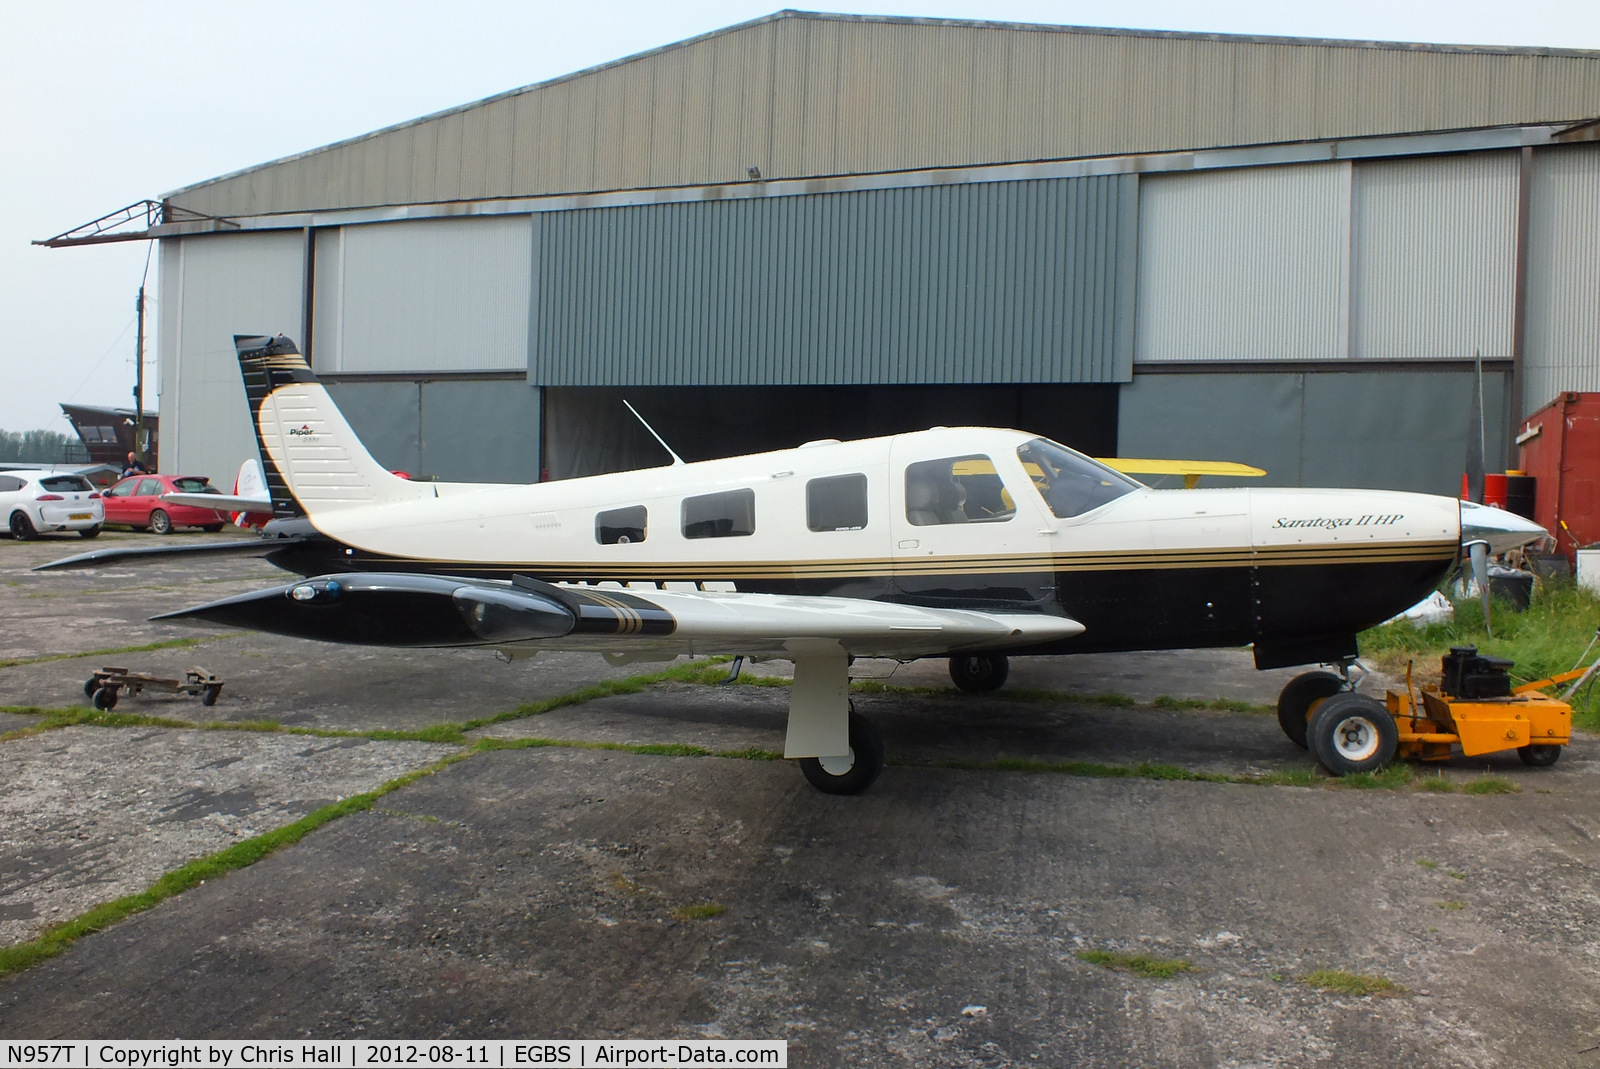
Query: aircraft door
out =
(965, 533)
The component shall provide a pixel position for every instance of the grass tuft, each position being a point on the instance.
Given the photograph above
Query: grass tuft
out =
(1138, 964)
(1349, 983)
(1386, 779)
(1491, 785)
(703, 912)
(1425, 863)
(1452, 906)
(167, 644)
(1434, 782)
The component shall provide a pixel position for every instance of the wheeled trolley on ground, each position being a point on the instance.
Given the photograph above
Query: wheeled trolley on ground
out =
(1475, 707)
(103, 687)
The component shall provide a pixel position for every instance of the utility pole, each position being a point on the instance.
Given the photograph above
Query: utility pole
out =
(139, 442)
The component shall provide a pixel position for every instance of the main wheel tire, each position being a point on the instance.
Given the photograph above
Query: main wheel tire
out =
(212, 528)
(1539, 755)
(22, 527)
(1352, 733)
(1297, 699)
(105, 698)
(90, 532)
(832, 775)
(979, 672)
(160, 522)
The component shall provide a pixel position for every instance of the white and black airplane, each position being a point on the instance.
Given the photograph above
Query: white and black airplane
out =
(968, 543)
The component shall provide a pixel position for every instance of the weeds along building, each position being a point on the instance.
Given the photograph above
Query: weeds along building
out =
(1280, 251)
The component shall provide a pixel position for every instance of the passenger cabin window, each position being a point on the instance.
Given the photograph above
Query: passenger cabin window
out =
(1071, 483)
(618, 527)
(837, 503)
(956, 490)
(729, 514)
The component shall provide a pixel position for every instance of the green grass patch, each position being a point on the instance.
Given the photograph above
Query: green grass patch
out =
(1227, 705)
(1391, 778)
(645, 749)
(704, 672)
(1138, 964)
(704, 911)
(1490, 785)
(1434, 782)
(168, 644)
(1425, 863)
(1349, 983)
(1545, 640)
(1452, 906)
(1454, 875)
(59, 937)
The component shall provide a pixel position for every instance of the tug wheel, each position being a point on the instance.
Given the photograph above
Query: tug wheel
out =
(105, 699)
(1352, 733)
(209, 695)
(91, 685)
(853, 773)
(979, 672)
(1299, 697)
(1539, 755)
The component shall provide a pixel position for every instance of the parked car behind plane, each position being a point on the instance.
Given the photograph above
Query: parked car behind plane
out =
(136, 502)
(35, 501)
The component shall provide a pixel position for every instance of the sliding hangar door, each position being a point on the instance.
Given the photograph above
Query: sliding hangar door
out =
(1319, 320)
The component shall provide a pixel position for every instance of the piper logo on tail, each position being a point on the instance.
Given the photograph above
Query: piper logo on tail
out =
(302, 431)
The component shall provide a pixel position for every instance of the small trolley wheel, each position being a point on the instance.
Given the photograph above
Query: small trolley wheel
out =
(160, 522)
(209, 695)
(105, 698)
(854, 773)
(1352, 733)
(1298, 699)
(1539, 755)
(978, 672)
(91, 685)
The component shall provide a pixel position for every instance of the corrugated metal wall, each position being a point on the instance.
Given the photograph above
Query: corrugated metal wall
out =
(1563, 340)
(994, 282)
(804, 95)
(1243, 264)
(436, 295)
(1435, 257)
(211, 289)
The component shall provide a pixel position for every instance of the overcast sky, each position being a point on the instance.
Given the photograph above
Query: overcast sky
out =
(107, 103)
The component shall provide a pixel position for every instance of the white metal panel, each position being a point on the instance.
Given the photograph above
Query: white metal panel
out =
(1244, 264)
(1436, 256)
(434, 295)
(221, 286)
(1563, 340)
(327, 287)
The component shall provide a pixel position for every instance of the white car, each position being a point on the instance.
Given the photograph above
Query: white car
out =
(32, 502)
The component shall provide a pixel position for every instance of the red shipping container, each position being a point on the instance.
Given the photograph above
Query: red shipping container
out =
(1561, 449)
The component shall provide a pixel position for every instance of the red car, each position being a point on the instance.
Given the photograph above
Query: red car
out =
(136, 502)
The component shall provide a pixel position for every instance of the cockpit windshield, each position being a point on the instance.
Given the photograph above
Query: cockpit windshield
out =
(1070, 483)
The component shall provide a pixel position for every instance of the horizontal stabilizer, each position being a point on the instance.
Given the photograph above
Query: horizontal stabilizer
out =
(99, 558)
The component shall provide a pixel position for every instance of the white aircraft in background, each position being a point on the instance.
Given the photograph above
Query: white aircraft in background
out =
(968, 543)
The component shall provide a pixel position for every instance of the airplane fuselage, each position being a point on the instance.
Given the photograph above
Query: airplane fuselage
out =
(1296, 571)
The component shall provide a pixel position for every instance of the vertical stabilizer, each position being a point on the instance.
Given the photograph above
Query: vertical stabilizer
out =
(311, 459)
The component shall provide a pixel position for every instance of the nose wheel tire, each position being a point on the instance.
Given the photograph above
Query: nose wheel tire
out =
(1353, 733)
(854, 772)
(1298, 700)
(979, 672)
(160, 522)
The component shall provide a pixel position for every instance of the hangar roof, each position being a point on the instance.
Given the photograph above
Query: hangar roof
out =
(801, 95)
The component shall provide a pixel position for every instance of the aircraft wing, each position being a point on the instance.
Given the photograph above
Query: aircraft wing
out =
(412, 610)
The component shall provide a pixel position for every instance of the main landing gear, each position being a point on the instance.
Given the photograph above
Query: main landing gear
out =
(854, 772)
(979, 672)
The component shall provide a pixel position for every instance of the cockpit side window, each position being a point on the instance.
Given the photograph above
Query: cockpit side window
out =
(619, 527)
(956, 490)
(1071, 483)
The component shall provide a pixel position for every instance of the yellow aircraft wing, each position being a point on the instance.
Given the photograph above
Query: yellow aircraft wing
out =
(1191, 470)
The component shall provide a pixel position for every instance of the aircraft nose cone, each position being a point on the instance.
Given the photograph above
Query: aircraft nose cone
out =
(1499, 529)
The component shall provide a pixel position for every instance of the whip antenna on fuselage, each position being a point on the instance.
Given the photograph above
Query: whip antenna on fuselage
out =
(676, 459)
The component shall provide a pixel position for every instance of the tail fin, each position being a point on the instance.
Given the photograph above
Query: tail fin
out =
(311, 459)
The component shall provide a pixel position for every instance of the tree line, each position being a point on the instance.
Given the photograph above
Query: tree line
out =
(41, 447)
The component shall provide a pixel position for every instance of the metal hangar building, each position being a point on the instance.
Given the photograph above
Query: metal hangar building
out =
(1280, 251)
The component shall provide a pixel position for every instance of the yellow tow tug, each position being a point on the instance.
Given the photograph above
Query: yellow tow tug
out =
(1475, 707)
